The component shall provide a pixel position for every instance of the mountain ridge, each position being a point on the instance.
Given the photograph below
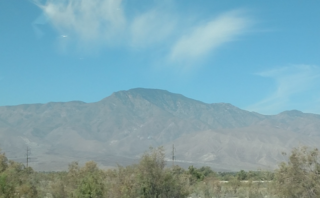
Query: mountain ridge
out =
(126, 123)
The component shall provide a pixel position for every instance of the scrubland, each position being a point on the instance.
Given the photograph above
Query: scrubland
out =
(153, 178)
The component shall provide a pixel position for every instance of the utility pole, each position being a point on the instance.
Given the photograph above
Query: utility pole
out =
(28, 157)
(173, 155)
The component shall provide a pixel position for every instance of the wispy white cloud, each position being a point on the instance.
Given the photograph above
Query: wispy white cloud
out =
(209, 36)
(89, 20)
(152, 27)
(105, 21)
(291, 82)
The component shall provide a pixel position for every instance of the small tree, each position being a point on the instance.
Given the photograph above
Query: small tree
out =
(3, 162)
(242, 175)
(154, 180)
(300, 177)
(85, 182)
(16, 179)
(195, 175)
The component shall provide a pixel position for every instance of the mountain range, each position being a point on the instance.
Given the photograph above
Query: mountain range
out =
(120, 128)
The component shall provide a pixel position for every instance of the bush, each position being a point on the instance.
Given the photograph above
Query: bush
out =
(300, 177)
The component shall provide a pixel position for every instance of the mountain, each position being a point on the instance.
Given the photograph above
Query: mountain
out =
(119, 128)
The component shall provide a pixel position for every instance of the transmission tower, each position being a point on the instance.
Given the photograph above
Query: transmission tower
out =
(28, 155)
(173, 155)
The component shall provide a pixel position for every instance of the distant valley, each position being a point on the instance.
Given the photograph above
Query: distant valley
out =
(121, 127)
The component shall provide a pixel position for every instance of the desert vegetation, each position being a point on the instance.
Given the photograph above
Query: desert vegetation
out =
(151, 178)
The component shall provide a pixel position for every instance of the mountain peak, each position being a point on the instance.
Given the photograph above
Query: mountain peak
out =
(155, 96)
(146, 92)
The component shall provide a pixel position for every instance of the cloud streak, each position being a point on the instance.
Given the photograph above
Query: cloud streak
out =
(209, 36)
(291, 82)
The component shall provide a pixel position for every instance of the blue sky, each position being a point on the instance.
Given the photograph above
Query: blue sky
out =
(261, 56)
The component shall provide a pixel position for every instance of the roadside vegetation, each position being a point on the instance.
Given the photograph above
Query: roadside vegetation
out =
(151, 178)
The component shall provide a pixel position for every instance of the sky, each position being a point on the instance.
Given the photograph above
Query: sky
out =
(261, 56)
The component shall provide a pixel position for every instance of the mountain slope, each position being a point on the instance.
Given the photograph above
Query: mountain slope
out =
(125, 124)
